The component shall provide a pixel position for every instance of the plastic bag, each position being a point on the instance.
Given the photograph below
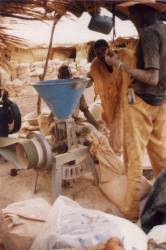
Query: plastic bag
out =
(158, 234)
(27, 217)
(70, 225)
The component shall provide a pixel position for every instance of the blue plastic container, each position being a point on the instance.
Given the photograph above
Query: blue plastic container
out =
(62, 96)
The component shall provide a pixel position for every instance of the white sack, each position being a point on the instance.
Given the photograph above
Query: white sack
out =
(70, 225)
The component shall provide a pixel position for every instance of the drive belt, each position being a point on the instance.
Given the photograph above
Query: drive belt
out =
(33, 152)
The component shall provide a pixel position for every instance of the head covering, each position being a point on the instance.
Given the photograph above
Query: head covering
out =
(100, 44)
(124, 7)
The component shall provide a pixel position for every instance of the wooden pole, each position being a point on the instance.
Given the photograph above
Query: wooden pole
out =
(57, 17)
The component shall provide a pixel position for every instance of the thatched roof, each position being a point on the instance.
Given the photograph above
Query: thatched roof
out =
(79, 6)
(16, 9)
(20, 9)
(7, 42)
(44, 9)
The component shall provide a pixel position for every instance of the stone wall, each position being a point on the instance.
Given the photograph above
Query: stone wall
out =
(19, 85)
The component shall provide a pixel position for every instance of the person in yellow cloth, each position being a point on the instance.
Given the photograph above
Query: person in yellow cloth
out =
(145, 111)
(104, 86)
(111, 84)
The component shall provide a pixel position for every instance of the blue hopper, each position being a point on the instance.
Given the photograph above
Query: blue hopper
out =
(62, 96)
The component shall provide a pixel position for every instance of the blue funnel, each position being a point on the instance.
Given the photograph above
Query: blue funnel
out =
(62, 95)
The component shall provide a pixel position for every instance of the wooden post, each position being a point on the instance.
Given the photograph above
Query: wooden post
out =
(57, 17)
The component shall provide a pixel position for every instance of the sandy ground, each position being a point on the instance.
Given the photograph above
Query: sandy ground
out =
(21, 187)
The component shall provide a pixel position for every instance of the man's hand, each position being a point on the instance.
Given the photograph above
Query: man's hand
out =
(112, 58)
(150, 76)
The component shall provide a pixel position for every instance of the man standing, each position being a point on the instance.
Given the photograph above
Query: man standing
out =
(145, 114)
(104, 79)
(100, 70)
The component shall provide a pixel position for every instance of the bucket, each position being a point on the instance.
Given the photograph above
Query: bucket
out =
(102, 24)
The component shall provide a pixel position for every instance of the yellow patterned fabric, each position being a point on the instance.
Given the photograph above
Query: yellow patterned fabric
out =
(145, 128)
(112, 89)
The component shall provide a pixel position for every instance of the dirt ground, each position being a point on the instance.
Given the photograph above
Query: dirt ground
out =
(21, 187)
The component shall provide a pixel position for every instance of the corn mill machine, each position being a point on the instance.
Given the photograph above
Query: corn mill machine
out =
(62, 96)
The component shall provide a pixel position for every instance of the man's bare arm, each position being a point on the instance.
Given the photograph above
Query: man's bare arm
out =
(87, 113)
(149, 76)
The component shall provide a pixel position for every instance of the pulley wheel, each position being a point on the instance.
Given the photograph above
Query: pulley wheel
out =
(47, 152)
(27, 154)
